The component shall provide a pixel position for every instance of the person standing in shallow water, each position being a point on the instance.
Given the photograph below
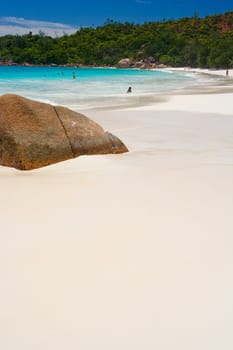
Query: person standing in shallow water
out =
(129, 89)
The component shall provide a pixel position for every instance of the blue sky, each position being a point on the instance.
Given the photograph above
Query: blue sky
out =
(56, 17)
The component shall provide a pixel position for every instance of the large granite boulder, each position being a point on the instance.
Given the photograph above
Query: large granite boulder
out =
(125, 63)
(35, 134)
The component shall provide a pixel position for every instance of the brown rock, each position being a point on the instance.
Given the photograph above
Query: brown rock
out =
(35, 134)
(125, 63)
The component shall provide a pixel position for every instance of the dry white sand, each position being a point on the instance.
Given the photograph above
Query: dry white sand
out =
(132, 251)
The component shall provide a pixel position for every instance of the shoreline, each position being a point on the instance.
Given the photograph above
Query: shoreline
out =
(198, 99)
(145, 94)
(217, 71)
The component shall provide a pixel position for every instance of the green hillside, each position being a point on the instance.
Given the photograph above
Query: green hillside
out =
(195, 42)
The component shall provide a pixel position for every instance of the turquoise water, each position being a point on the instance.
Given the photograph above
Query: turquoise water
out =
(84, 88)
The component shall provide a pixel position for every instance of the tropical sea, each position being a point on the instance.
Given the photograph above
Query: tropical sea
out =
(99, 88)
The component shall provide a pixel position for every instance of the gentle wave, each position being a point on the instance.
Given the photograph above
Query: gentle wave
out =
(87, 88)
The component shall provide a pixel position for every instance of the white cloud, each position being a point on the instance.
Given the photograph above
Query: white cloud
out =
(20, 26)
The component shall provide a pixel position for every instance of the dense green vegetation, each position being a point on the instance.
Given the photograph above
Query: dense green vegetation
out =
(195, 42)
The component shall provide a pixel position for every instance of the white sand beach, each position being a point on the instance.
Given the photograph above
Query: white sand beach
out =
(131, 251)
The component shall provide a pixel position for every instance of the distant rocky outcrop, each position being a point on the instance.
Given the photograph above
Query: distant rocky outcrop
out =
(35, 134)
(125, 63)
(145, 63)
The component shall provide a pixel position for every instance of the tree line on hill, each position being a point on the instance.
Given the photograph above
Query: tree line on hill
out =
(195, 42)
